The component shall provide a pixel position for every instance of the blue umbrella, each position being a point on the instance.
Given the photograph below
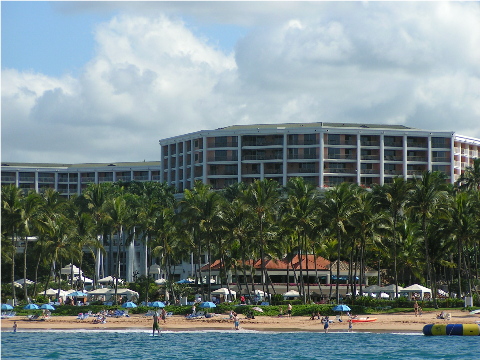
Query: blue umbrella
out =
(129, 304)
(47, 307)
(77, 294)
(207, 305)
(31, 307)
(7, 307)
(158, 304)
(184, 281)
(341, 308)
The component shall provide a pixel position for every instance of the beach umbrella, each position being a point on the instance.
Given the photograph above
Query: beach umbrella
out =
(341, 308)
(158, 304)
(7, 307)
(129, 305)
(77, 294)
(31, 307)
(207, 305)
(185, 281)
(160, 281)
(47, 307)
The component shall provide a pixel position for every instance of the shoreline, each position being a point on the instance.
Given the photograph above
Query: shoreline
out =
(385, 323)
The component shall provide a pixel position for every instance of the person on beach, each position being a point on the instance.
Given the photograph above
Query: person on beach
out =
(164, 315)
(194, 310)
(350, 324)
(236, 321)
(156, 326)
(415, 307)
(289, 310)
(14, 326)
(326, 324)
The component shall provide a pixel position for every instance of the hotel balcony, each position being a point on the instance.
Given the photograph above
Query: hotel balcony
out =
(417, 158)
(370, 143)
(393, 158)
(393, 144)
(341, 157)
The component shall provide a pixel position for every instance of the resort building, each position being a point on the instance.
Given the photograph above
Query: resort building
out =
(72, 179)
(325, 154)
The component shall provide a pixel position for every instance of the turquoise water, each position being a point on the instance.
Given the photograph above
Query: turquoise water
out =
(241, 344)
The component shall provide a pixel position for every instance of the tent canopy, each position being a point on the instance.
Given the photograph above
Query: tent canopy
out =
(291, 293)
(223, 291)
(415, 288)
(109, 279)
(67, 270)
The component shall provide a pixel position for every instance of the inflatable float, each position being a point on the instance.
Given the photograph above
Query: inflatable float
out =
(362, 320)
(452, 329)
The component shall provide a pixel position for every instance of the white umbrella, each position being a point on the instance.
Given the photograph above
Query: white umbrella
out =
(223, 291)
(85, 279)
(24, 281)
(109, 279)
(67, 270)
(291, 293)
(160, 281)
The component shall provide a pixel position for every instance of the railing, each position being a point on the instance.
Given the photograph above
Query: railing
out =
(27, 178)
(393, 158)
(225, 144)
(392, 172)
(415, 172)
(368, 171)
(416, 144)
(437, 145)
(141, 177)
(393, 144)
(304, 156)
(441, 159)
(155, 177)
(273, 171)
(262, 142)
(124, 178)
(370, 143)
(105, 178)
(370, 157)
(416, 158)
(341, 156)
(8, 178)
(46, 179)
(307, 171)
(262, 157)
(338, 171)
(226, 158)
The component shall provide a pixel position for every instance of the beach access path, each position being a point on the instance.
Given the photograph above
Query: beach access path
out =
(395, 322)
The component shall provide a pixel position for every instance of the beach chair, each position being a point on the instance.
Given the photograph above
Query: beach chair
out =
(170, 313)
(80, 316)
(34, 317)
(448, 316)
(338, 318)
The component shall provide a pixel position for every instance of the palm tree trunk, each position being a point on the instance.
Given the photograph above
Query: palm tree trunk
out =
(25, 288)
(337, 289)
(14, 251)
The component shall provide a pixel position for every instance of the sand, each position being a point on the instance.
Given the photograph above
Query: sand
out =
(397, 322)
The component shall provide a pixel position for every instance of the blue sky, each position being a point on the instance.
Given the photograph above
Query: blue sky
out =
(95, 81)
(53, 39)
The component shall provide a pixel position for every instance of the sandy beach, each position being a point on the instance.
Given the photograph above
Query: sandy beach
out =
(397, 322)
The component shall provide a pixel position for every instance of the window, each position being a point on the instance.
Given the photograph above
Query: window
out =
(293, 139)
(220, 155)
(221, 141)
(293, 153)
(310, 139)
(310, 153)
(333, 139)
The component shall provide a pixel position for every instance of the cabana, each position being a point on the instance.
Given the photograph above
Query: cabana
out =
(223, 292)
(416, 289)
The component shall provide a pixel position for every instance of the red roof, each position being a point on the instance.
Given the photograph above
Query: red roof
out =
(270, 264)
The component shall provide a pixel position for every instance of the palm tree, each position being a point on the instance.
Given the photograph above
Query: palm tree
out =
(262, 197)
(11, 221)
(200, 209)
(30, 216)
(301, 215)
(428, 199)
(338, 207)
(470, 179)
(391, 198)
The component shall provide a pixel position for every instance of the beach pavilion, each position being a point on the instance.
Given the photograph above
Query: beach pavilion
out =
(420, 290)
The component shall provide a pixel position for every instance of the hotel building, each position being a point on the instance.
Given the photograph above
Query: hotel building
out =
(325, 154)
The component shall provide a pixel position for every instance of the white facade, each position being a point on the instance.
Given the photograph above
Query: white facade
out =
(325, 154)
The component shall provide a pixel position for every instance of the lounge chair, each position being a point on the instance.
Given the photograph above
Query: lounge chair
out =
(33, 317)
(170, 313)
(80, 316)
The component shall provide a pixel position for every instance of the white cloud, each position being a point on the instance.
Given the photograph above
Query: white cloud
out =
(152, 77)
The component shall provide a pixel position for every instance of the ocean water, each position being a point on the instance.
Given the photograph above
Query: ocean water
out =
(243, 344)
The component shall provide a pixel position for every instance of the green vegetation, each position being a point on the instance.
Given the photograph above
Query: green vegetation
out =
(424, 231)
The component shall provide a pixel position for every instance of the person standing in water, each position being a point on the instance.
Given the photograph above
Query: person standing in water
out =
(14, 326)
(236, 321)
(156, 326)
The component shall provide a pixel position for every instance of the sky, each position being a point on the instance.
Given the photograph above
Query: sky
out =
(105, 81)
